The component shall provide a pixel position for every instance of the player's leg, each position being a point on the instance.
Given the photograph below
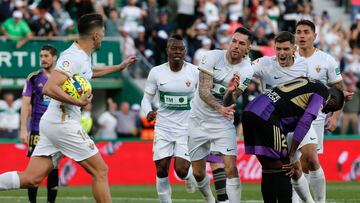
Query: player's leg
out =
(98, 170)
(301, 185)
(219, 176)
(233, 185)
(199, 148)
(33, 139)
(52, 185)
(163, 187)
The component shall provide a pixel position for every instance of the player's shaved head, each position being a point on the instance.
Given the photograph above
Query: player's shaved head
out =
(174, 37)
(87, 23)
(336, 100)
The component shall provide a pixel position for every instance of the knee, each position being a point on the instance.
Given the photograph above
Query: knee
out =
(161, 172)
(297, 171)
(181, 172)
(102, 171)
(312, 161)
(199, 175)
(32, 182)
(231, 171)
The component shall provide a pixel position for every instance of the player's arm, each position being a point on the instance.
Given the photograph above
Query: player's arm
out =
(232, 92)
(149, 93)
(24, 114)
(101, 71)
(53, 89)
(205, 85)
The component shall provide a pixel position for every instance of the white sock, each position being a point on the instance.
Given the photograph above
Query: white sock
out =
(163, 189)
(233, 189)
(301, 186)
(307, 176)
(191, 183)
(295, 197)
(318, 184)
(204, 188)
(9, 181)
(190, 176)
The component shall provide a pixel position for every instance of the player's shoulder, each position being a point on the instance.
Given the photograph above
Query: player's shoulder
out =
(323, 56)
(33, 74)
(216, 53)
(156, 70)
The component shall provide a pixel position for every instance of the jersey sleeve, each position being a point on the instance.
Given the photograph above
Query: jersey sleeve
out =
(28, 89)
(68, 64)
(151, 84)
(259, 66)
(207, 64)
(245, 79)
(333, 72)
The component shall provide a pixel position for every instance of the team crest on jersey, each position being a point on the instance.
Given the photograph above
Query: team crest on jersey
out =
(188, 83)
(203, 60)
(91, 146)
(318, 69)
(66, 64)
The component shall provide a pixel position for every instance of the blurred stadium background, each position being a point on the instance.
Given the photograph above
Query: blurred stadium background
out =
(142, 27)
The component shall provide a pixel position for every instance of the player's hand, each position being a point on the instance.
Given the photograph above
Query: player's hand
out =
(24, 136)
(85, 99)
(330, 123)
(290, 167)
(228, 112)
(234, 83)
(151, 116)
(128, 61)
(348, 95)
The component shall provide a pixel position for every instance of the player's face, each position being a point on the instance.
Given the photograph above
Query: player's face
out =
(176, 50)
(239, 46)
(304, 36)
(98, 36)
(285, 53)
(46, 59)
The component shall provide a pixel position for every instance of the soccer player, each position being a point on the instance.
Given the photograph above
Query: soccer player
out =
(224, 75)
(175, 82)
(33, 98)
(323, 67)
(60, 129)
(289, 107)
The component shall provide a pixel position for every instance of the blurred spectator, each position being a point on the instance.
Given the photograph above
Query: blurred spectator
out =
(236, 8)
(108, 6)
(352, 107)
(355, 9)
(211, 12)
(107, 121)
(16, 28)
(352, 60)
(185, 14)
(196, 33)
(86, 119)
(127, 43)
(61, 17)
(306, 13)
(268, 49)
(161, 33)
(143, 45)
(126, 124)
(200, 53)
(136, 109)
(270, 10)
(290, 15)
(84, 7)
(113, 24)
(355, 30)
(234, 23)
(42, 27)
(9, 116)
(132, 17)
(151, 19)
(6, 7)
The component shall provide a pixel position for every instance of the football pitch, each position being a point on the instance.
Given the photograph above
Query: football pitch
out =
(336, 192)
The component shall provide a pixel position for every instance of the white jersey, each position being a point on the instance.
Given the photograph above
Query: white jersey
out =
(72, 61)
(215, 64)
(175, 90)
(271, 73)
(323, 67)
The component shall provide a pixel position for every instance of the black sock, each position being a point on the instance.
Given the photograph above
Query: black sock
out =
(32, 193)
(220, 184)
(276, 188)
(52, 185)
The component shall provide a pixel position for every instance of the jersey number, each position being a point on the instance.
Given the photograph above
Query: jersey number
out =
(292, 85)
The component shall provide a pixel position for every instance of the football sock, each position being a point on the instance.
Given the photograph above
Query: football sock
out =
(9, 181)
(52, 185)
(301, 186)
(204, 188)
(190, 181)
(233, 189)
(318, 184)
(295, 196)
(163, 189)
(220, 184)
(32, 193)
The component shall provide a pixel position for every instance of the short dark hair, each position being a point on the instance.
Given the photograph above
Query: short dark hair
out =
(285, 36)
(51, 49)
(88, 22)
(336, 101)
(175, 37)
(246, 32)
(307, 23)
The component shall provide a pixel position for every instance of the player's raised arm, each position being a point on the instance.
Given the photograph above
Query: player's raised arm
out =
(101, 71)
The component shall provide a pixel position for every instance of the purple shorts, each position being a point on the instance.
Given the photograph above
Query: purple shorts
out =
(214, 158)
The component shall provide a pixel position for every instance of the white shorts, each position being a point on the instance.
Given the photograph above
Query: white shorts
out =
(310, 138)
(69, 138)
(168, 143)
(202, 141)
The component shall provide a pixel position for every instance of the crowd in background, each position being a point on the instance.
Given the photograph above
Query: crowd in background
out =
(143, 26)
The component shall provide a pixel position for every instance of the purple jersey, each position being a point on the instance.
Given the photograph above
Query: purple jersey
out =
(39, 102)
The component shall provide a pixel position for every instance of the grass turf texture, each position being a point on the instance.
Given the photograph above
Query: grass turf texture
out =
(336, 192)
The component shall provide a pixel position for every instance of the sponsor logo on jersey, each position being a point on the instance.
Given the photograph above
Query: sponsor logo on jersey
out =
(318, 68)
(188, 83)
(337, 71)
(247, 81)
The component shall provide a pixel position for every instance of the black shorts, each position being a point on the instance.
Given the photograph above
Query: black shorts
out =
(33, 139)
(263, 138)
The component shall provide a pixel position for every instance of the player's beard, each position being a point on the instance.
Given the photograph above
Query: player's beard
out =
(47, 67)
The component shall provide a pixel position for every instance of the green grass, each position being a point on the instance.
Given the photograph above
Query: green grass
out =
(336, 192)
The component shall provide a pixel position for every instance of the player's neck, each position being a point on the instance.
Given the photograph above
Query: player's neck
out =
(307, 52)
(176, 67)
(48, 71)
(85, 46)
